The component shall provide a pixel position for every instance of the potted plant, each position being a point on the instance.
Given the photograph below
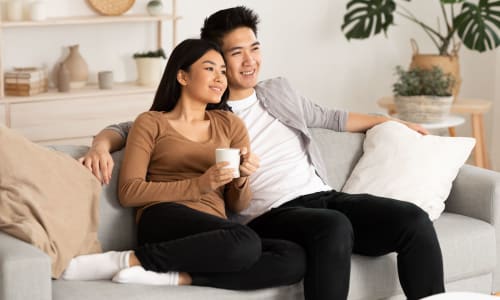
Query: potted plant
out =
(421, 95)
(150, 67)
(475, 23)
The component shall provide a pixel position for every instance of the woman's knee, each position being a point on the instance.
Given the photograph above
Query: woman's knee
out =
(244, 248)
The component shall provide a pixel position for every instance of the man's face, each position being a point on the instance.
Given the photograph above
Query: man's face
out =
(242, 52)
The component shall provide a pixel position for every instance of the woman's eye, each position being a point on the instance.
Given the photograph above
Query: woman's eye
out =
(209, 68)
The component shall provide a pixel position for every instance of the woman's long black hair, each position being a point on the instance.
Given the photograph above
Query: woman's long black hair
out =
(181, 58)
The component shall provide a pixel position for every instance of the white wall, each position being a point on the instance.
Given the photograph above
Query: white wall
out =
(301, 40)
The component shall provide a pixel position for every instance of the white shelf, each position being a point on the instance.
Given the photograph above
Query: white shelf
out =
(80, 20)
(91, 90)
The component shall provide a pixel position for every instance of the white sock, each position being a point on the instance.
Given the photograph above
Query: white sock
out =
(99, 266)
(137, 274)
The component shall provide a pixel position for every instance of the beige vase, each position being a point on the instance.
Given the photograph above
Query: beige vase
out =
(77, 67)
(149, 70)
(423, 109)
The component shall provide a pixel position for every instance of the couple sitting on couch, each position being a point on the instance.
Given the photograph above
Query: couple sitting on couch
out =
(295, 226)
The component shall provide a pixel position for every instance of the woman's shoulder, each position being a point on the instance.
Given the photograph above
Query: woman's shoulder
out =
(149, 116)
(225, 116)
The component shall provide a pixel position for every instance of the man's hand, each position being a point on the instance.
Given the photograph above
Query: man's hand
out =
(215, 177)
(99, 161)
(418, 128)
(249, 162)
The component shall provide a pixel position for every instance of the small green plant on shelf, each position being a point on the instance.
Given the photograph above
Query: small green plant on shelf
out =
(416, 82)
(158, 53)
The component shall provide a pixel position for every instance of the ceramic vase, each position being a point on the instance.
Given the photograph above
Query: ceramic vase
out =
(155, 7)
(63, 78)
(77, 67)
(149, 70)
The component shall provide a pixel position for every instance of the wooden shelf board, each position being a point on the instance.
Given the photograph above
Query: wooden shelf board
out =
(79, 20)
(91, 90)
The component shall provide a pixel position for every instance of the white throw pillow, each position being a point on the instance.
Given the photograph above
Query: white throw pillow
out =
(402, 164)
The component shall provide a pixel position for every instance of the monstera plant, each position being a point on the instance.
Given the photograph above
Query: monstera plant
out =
(477, 23)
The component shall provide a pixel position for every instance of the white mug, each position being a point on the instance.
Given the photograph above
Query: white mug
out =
(231, 155)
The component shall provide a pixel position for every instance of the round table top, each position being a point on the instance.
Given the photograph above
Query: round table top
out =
(449, 121)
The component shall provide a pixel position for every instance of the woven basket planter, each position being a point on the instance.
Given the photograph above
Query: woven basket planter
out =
(423, 109)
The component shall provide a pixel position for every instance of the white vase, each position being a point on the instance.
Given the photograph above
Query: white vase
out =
(149, 70)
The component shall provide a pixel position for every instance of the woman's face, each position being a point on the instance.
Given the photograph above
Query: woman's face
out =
(206, 80)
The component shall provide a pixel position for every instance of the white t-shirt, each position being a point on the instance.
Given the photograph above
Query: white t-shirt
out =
(285, 171)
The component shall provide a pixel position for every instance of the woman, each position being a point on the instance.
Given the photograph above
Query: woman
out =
(168, 172)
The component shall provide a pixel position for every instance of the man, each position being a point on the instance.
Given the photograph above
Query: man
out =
(290, 198)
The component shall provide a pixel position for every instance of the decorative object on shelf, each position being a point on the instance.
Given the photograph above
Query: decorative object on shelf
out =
(15, 10)
(111, 7)
(63, 79)
(155, 7)
(26, 81)
(77, 67)
(448, 63)
(477, 25)
(38, 11)
(105, 80)
(423, 96)
(150, 67)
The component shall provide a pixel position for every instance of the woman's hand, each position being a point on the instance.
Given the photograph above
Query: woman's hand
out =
(215, 177)
(249, 162)
(99, 162)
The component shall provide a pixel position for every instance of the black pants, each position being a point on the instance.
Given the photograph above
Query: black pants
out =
(215, 251)
(332, 225)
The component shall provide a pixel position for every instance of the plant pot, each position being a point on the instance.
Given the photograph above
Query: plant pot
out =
(423, 109)
(448, 63)
(149, 70)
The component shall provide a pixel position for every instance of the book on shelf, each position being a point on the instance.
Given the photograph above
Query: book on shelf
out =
(25, 81)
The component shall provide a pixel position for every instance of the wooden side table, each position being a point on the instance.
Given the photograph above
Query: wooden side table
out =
(476, 108)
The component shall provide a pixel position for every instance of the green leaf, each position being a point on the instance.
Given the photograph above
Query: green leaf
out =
(478, 25)
(451, 1)
(367, 17)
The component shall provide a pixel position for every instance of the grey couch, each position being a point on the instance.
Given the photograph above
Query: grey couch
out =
(468, 232)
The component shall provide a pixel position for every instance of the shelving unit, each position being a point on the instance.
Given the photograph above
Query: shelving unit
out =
(95, 105)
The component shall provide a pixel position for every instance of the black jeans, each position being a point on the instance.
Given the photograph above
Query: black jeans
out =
(332, 225)
(214, 251)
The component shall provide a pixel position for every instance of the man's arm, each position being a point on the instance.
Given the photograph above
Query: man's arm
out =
(357, 122)
(98, 159)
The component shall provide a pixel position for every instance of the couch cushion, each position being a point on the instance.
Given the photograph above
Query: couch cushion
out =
(468, 247)
(105, 290)
(117, 230)
(402, 164)
(340, 152)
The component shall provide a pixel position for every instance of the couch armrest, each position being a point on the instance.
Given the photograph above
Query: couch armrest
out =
(476, 193)
(25, 271)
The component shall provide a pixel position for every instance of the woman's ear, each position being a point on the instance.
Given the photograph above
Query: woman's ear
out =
(182, 77)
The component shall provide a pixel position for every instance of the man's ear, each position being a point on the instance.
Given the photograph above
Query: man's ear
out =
(182, 77)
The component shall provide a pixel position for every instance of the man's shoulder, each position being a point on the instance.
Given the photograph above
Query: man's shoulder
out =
(273, 84)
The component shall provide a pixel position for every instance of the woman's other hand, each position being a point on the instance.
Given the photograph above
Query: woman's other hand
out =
(215, 177)
(250, 162)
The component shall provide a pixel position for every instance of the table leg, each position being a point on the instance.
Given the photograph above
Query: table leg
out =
(478, 134)
(451, 131)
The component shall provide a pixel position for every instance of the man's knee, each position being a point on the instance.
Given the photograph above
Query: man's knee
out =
(333, 230)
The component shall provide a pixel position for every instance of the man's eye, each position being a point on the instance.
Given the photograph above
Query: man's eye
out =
(235, 53)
